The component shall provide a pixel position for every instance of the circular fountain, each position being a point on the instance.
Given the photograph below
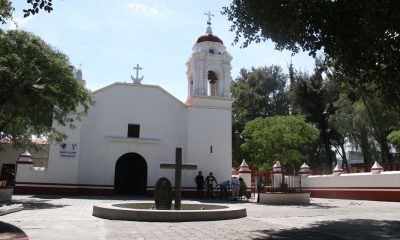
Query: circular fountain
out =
(147, 212)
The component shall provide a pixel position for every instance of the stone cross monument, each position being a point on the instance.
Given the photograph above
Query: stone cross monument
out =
(178, 166)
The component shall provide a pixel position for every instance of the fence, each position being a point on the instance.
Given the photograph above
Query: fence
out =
(40, 164)
(289, 183)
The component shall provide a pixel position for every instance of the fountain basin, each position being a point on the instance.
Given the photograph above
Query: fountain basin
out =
(189, 212)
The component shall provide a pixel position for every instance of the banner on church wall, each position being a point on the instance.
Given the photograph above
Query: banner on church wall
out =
(68, 149)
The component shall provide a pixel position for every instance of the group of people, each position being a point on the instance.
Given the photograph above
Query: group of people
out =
(239, 187)
(208, 182)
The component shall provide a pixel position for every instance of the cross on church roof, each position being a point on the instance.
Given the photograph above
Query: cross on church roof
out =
(209, 14)
(137, 79)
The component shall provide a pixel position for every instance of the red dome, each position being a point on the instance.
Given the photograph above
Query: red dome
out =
(209, 38)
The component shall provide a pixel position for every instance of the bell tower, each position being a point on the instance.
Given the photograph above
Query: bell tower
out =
(209, 105)
(209, 68)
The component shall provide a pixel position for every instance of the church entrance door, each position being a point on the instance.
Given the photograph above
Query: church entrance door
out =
(130, 175)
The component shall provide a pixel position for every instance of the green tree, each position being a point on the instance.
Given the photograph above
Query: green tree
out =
(313, 96)
(278, 138)
(361, 116)
(6, 8)
(394, 137)
(37, 87)
(351, 121)
(260, 92)
(360, 39)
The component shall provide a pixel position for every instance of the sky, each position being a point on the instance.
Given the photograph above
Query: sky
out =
(108, 38)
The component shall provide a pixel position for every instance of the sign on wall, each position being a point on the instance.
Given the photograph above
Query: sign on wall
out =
(68, 149)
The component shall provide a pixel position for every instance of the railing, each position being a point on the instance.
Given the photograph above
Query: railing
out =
(391, 166)
(40, 164)
(289, 183)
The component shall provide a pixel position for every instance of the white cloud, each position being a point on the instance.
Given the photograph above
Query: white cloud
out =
(137, 7)
(19, 22)
(146, 9)
(153, 10)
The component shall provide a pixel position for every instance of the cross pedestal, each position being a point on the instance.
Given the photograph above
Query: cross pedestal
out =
(178, 166)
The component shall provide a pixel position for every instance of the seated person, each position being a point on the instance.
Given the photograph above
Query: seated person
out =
(224, 187)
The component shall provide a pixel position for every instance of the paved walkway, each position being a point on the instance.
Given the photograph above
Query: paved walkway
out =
(60, 217)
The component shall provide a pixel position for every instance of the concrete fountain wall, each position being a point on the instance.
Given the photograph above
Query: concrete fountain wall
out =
(145, 212)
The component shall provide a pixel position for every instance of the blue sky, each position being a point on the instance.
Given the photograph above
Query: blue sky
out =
(110, 37)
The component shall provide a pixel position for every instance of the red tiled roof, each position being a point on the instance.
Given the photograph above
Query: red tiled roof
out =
(209, 38)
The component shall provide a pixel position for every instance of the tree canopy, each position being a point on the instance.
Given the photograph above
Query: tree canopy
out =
(278, 138)
(6, 8)
(394, 137)
(259, 92)
(360, 39)
(38, 87)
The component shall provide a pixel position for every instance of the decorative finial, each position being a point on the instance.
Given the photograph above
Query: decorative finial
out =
(78, 75)
(209, 14)
(137, 79)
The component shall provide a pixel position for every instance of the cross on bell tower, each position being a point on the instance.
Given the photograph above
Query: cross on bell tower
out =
(209, 14)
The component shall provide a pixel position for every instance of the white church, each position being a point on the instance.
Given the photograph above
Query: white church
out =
(133, 128)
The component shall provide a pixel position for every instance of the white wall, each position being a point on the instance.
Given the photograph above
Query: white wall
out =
(59, 170)
(384, 179)
(162, 128)
(209, 123)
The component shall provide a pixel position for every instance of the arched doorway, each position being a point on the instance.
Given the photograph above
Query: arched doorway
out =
(130, 175)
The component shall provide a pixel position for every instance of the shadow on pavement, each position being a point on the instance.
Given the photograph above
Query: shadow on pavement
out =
(318, 206)
(346, 229)
(35, 204)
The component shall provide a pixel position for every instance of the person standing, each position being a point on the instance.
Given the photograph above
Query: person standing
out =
(210, 179)
(235, 187)
(260, 188)
(11, 178)
(200, 184)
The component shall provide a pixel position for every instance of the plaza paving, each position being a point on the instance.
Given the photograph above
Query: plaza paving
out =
(61, 217)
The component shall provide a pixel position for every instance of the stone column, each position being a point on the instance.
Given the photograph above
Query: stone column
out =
(376, 168)
(337, 170)
(305, 170)
(227, 81)
(24, 166)
(245, 173)
(276, 175)
(198, 79)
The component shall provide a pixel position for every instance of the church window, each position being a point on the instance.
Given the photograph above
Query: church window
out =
(211, 51)
(133, 130)
(211, 149)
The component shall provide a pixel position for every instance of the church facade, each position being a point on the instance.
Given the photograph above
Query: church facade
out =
(133, 128)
